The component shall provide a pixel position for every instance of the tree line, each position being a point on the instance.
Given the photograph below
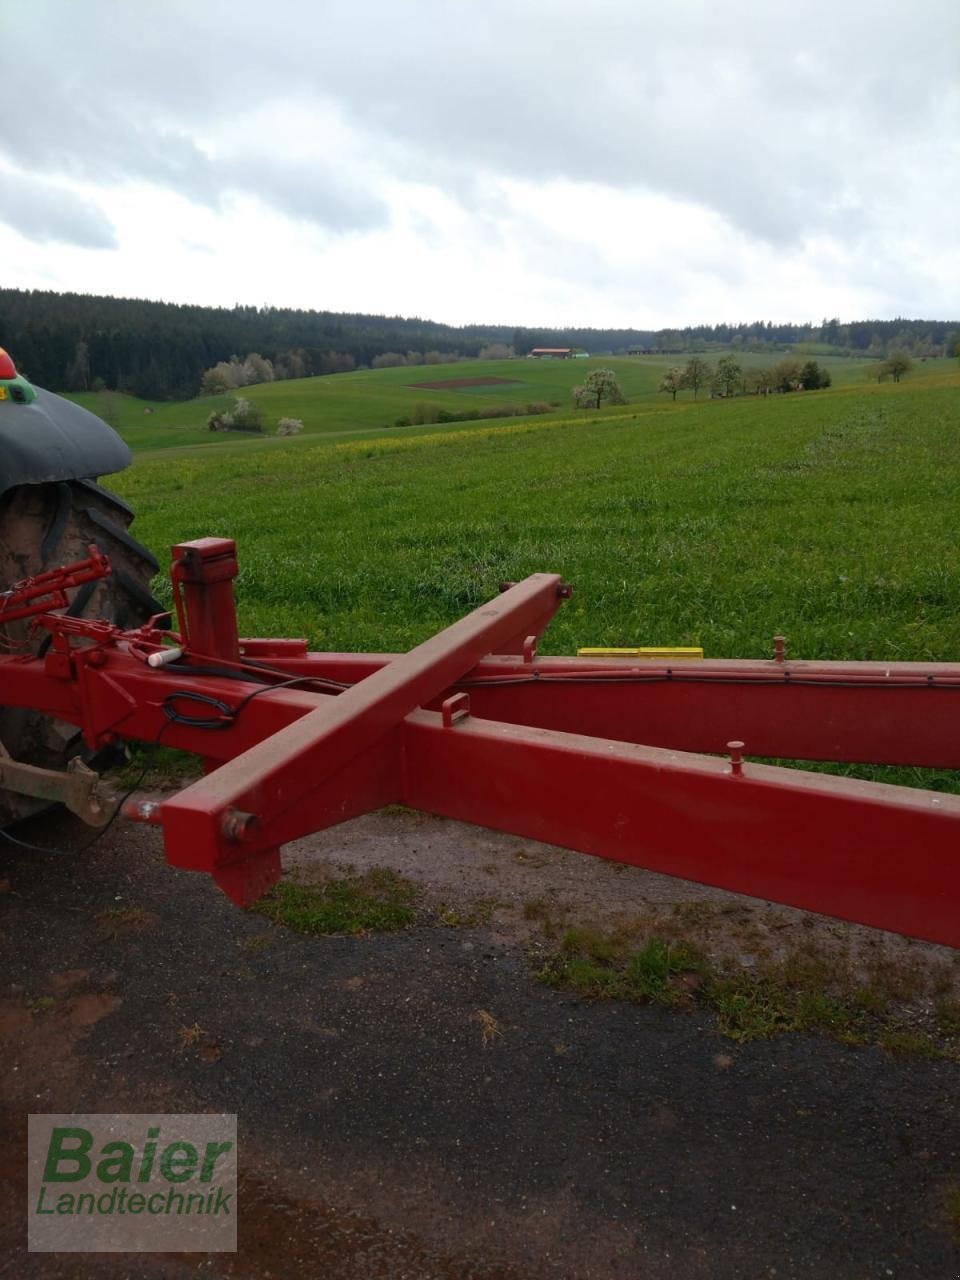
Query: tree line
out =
(729, 378)
(920, 339)
(161, 350)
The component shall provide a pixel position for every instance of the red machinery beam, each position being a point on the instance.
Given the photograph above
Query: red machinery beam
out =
(900, 714)
(555, 753)
(895, 713)
(882, 855)
(234, 815)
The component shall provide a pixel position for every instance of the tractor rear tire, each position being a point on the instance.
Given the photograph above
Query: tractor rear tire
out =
(41, 527)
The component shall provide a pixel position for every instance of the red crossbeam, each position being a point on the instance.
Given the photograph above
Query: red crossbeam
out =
(232, 817)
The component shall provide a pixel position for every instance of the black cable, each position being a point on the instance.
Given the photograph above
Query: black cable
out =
(229, 673)
(226, 715)
(274, 671)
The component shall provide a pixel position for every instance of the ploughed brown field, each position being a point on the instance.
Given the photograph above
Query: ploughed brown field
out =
(448, 383)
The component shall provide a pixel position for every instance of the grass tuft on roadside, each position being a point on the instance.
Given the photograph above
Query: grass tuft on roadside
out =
(598, 965)
(381, 899)
(803, 992)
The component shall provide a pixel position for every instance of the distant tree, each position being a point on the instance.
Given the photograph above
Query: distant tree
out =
(414, 357)
(218, 380)
(289, 427)
(247, 415)
(697, 373)
(108, 408)
(291, 364)
(896, 366)
(729, 376)
(256, 369)
(78, 370)
(598, 386)
(424, 414)
(336, 362)
(672, 382)
(238, 371)
(441, 357)
(244, 416)
(786, 374)
(758, 382)
(388, 360)
(812, 377)
(496, 351)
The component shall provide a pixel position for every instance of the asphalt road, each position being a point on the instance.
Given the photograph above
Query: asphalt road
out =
(389, 1128)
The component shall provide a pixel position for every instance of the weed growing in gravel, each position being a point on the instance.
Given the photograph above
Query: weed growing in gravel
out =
(600, 965)
(802, 992)
(381, 899)
(479, 913)
(755, 1008)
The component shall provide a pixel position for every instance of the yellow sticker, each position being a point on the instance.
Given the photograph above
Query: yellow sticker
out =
(3, 393)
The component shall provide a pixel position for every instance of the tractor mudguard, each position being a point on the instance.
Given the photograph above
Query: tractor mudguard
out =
(48, 438)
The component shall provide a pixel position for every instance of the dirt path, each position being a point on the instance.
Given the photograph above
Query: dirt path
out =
(388, 1131)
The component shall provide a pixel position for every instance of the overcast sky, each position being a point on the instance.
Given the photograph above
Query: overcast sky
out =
(603, 162)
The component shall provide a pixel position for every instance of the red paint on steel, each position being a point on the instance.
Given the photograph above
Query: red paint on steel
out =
(280, 774)
(885, 856)
(47, 591)
(202, 574)
(595, 754)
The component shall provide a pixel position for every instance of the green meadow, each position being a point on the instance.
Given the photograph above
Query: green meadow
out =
(830, 516)
(368, 402)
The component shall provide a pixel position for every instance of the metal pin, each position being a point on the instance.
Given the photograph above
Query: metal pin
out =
(237, 825)
(778, 648)
(163, 656)
(736, 758)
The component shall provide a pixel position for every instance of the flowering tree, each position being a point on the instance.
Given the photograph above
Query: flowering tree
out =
(598, 386)
(672, 382)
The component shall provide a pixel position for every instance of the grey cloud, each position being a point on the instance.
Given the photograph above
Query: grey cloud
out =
(306, 190)
(99, 139)
(44, 211)
(764, 114)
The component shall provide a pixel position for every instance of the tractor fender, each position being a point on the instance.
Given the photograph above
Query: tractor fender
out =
(50, 439)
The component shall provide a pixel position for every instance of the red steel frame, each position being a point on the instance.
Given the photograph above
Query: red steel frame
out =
(636, 761)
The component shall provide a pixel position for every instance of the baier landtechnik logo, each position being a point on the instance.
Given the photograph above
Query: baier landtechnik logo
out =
(132, 1183)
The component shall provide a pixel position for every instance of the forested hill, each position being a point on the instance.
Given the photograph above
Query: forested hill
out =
(159, 350)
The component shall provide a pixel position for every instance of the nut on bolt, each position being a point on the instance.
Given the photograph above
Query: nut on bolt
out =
(237, 825)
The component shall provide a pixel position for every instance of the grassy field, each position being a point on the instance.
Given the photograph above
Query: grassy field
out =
(357, 404)
(830, 516)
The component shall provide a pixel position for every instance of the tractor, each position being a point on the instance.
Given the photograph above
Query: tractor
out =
(52, 510)
(645, 757)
